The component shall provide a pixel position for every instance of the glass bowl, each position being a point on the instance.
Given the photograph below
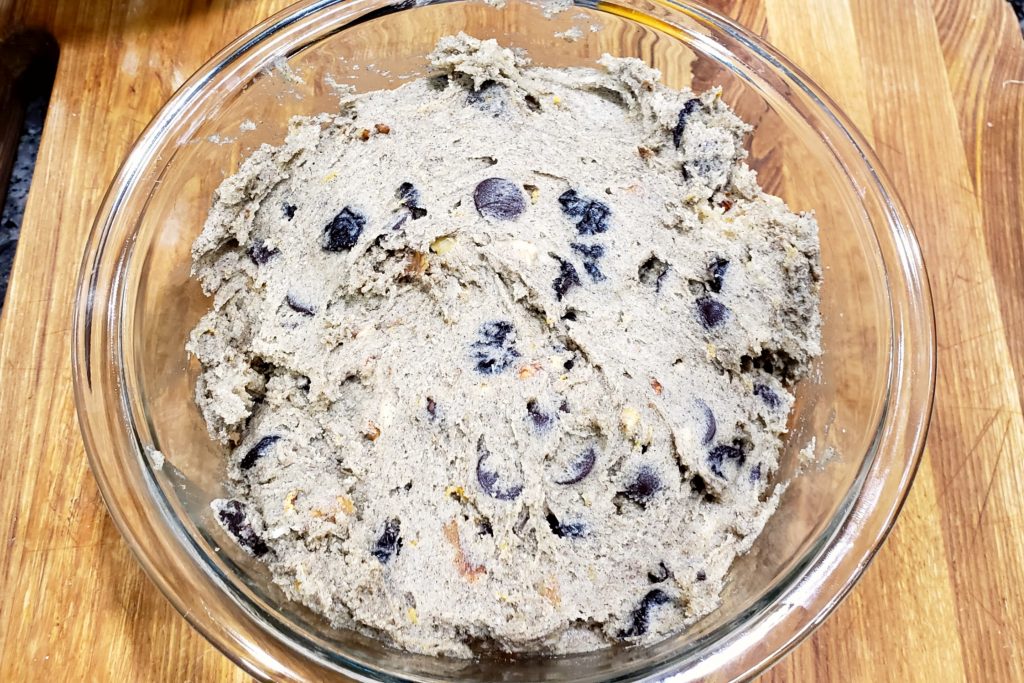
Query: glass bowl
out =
(863, 413)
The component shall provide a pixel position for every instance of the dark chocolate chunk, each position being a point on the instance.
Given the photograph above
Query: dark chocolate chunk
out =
(710, 424)
(590, 215)
(639, 619)
(232, 515)
(410, 199)
(770, 398)
(389, 543)
(495, 347)
(716, 274)
(702, 575)
(539, 417)
(689, 107)
(566, 530)
(566, 280)
(289, 211)
(342, 233)
(719, 455)
(755, 473)
(258, 451)
(260, 253)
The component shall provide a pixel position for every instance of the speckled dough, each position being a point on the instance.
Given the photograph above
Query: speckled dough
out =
(502, 355)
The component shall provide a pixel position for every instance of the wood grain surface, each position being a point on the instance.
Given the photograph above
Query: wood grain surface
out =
(937, 86)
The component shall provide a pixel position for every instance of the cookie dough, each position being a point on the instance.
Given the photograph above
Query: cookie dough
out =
(502, 356)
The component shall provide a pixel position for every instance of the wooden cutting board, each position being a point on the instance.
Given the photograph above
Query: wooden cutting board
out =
(937, 86)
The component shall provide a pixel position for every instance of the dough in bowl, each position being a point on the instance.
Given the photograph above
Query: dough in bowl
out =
(503, 356)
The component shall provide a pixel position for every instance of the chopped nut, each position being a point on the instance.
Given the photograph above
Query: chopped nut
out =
(346, 505)
(647, 85)
(470, 571)
(629, 420)
(289, 500)
(417, 264)
(645, 152)
(364, 134)
(382, 128)
(533, 191)
(528, 371)
(456, 492)
(372, 432)
(550, 591)
(656, 385)
(556, 99)
(413, 616)
(442, 245)
(331, 175)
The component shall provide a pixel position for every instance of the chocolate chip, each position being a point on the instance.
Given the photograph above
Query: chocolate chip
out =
(659, 575)
(711, 312)
(409, 197)
(689, 107)
(499, 199)
(389, 543)
(702, 575)
(755, 473)
(719, 455)
(342, 233)
(579, 468)
(490, 480)
(289, 211)
(540, 418)
(232, 516)
(260, 253)
(299, 306)
(258, 451)
(645, 484)
(590, 215)
(710, 424)
(770, 398)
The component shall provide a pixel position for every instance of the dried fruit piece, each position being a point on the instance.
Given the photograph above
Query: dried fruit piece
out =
(342, 233)
(490, 480)
(389, 543)
(590, 215)
(364, 134)
(579, 468)
(258, 451)
(689, 107)
(639, 619)
(372, 431)
(382, 128)
(566, 280)
(495, 347)
(719, 455)
(499, 198)
(232, 516)
(260, 253)
(656, 386)
(645, 484)
(711, 312)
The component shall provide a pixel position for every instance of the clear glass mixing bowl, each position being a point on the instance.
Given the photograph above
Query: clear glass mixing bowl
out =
(866, 406)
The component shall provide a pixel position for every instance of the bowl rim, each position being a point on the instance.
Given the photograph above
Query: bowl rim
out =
(912, 374)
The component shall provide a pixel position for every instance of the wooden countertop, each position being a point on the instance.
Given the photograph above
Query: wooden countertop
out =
(937, 86)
